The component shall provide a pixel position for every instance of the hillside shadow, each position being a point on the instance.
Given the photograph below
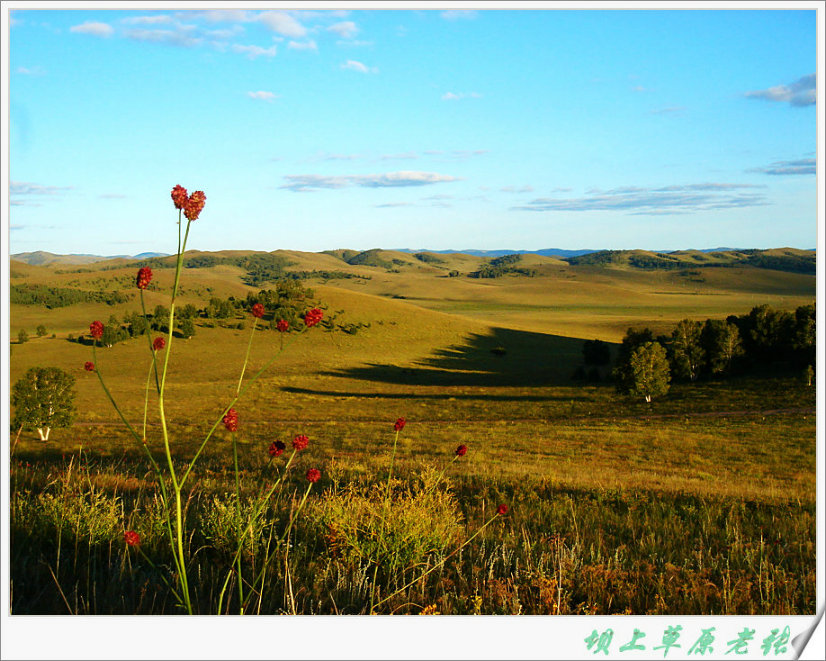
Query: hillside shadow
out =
(504, 357)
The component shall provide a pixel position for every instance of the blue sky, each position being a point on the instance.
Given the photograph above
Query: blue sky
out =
(315, 130)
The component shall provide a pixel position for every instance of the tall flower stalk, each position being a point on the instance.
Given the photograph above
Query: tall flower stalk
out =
(189, 208)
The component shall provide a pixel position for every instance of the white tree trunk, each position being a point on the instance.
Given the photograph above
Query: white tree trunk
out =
(44, 435)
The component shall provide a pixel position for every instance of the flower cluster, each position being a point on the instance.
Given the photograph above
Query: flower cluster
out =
(258, 310)
(96, 329)
(300, 442)
(231, 420)
(144, 276)
(313, 475)
(461, 451)
(312, 317)
(276, 448)
(132, 538)
(400, 423)
(194, 205)
(179, 197)
(283, 325)
(158, 344)
(89, 366)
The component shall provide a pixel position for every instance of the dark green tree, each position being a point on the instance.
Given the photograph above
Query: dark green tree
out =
(596, 352)
(646, 374)
(186, 328)
(41, 330)
(722, 346)
(686, 350)
(43, 398)
(22, 336)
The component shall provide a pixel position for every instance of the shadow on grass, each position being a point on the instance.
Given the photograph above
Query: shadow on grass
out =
(504, 357)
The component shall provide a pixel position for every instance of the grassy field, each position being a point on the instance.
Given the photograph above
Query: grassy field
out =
(603, 491)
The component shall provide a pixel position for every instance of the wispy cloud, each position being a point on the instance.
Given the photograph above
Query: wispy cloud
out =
(309, 182)
(302, 45)
(354, 65)
(254, 51)
(93, 28)
(665, 200)
(152, 19)
(112, 196)
(459, 15)
(800, 166)
(392, 205)
(800, 93)
(184, 36)
(457, 96)
(282, 23)
(517, 189)
(30, 71)
(24, 193)
(344, 29)
(395, 157)
(669, 110)
(262, 95)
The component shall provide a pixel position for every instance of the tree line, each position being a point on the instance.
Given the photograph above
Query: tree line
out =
(765, 340)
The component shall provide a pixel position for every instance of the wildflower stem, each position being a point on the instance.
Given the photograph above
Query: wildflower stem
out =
(384, 517)
(149, 340)
(224, 412)
(146, 396)
(176, 486)
(238, 519)
(247, 357)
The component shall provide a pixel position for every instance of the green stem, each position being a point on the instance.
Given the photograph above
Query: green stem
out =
(149, 340)
(383, 518)
(146, 397)
(238, 519)
(224, 412)
(179, 519)
(247, 357)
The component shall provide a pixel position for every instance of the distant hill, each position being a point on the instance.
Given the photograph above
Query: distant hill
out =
(43, 258)
(778, 259)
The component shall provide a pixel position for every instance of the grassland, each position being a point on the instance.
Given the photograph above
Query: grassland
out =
(604, 491)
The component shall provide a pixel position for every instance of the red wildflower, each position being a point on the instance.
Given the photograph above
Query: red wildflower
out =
(258, 310)
(502, 509)
(400, 423)
(461, 451)
(300, 442)
(144, 276)
(276, 448)
(132, 538)
(312, 317)
(96, 329)
(313, 475)
(194, 205)
(158, 344)
(179, 197)
(283, 325)
(89, 366)
(231, 420)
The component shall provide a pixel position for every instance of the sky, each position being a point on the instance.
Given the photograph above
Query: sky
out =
(422, 129)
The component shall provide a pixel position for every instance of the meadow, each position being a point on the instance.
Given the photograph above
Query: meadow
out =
(702, 502)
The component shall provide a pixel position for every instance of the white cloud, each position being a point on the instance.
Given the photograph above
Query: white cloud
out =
(405, 156)
(459, 15)
(254, 51)
(670, 110)
(262, 95)
(800, 166)
(456, 96)
(182, 35)
(282, 23)
(24, 193)
(31, 71)
(802, 92)
(223, 15)
(309, 182)
(353, 65)
(345, 29)
(153, 19)
(302, 45)
(93, 28)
